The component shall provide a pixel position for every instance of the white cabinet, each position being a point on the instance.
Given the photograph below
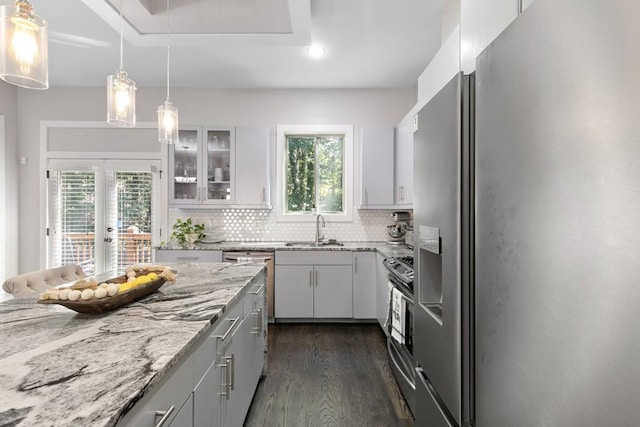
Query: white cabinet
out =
(404, 166)
(186, 255)
(252, 167)
(184, 417)
(201, 167)
(333, 292)
(293, 291)
(220, 166)
(213, 384)
(313, 284)
(382, 291)
(377, 166)
(207, 397)
(364, 285)
(167, 397)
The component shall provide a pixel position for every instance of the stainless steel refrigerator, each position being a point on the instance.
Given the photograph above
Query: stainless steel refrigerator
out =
(526, 206)
(443, 262)
(557, 218)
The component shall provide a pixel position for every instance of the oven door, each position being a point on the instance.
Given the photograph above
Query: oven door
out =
(401, 355)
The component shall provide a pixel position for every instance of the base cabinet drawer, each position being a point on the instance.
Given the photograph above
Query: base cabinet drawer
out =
(168, 396)
(184, 417)
(184, 255)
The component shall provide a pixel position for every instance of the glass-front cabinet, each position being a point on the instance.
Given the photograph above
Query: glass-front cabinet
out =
(201, 167)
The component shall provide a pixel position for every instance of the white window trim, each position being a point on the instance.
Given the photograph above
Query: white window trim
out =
(281, 132)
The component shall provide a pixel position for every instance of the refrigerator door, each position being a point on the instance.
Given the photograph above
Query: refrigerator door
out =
(558, 203)
(441, 198)
(429, 410)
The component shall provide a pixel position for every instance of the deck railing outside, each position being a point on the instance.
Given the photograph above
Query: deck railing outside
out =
(132, 248)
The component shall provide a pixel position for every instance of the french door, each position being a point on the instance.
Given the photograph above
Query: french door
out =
(102, 214)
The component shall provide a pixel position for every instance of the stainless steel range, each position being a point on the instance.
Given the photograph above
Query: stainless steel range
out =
(399, 327)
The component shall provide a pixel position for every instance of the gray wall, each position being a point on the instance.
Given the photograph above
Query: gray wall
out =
(214, 107)
(8, 108)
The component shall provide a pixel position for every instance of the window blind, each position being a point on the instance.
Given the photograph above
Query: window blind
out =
(72, 215)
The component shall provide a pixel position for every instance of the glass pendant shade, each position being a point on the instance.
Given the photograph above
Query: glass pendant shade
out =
(167, 123)
(121, 100)
(24, 59)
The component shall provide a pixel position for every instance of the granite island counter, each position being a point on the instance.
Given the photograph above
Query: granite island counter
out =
(58, 367)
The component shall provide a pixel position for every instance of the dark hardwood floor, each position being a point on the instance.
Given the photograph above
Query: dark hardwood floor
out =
(328, 375)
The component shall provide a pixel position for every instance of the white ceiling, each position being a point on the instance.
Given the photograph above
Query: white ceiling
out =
(243, 43)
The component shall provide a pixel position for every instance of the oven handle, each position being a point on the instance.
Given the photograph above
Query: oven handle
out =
(402, 292)
(393, 359)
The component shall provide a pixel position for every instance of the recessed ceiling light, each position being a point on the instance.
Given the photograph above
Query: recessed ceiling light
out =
(315, 51)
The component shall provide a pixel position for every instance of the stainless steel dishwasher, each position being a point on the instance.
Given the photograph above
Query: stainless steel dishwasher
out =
(266, 257)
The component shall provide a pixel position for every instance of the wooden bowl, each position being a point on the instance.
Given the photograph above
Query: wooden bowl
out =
(103, 305)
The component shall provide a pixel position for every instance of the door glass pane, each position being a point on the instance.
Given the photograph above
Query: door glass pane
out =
(330, 173)
(218, 165)
(186, 165)
(74, 219)
(300, 170)
(134, 214)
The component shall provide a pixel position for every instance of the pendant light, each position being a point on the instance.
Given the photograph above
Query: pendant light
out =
(24, 57)
(121, 92)
(167, 113)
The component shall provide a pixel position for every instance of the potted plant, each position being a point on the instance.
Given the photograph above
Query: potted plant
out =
(186, 233)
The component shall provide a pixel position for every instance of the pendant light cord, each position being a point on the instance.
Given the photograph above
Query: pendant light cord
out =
(121, 38)
(168, 51)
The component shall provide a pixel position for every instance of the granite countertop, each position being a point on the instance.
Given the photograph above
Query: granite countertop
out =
(383, 247)
(59, 368)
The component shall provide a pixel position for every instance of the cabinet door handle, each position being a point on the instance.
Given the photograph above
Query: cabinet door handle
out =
(198, 195)
(258, 327)
(402, 192)
(226, 392)
(355, 264)
(226, 334)
(316, 278)
(264, 195)
(231, 368)
(165, 416)
(188, 258)
(310, 278)
(366, 196)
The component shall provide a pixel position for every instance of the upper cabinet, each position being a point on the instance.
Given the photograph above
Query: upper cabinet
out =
(404, 166)
(252, 166)
(377, 168)
(219, 167)
(386, 156)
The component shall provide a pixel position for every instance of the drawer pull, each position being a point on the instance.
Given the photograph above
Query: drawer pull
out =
(165, 416)
(188, 258)
(228, 331)
(258, 291)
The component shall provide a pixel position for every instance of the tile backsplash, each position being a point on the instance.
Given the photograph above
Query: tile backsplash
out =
(260, 225)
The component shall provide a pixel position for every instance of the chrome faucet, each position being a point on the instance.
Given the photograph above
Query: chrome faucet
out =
(318, 237)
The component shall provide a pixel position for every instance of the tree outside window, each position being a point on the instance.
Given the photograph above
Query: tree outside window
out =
(314, 174)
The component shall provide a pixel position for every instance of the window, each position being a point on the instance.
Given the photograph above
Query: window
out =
(314, 172)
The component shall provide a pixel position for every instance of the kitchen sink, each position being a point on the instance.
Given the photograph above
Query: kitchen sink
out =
(330, 242)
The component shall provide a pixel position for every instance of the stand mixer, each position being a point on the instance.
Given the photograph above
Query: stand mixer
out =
(397, 231)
